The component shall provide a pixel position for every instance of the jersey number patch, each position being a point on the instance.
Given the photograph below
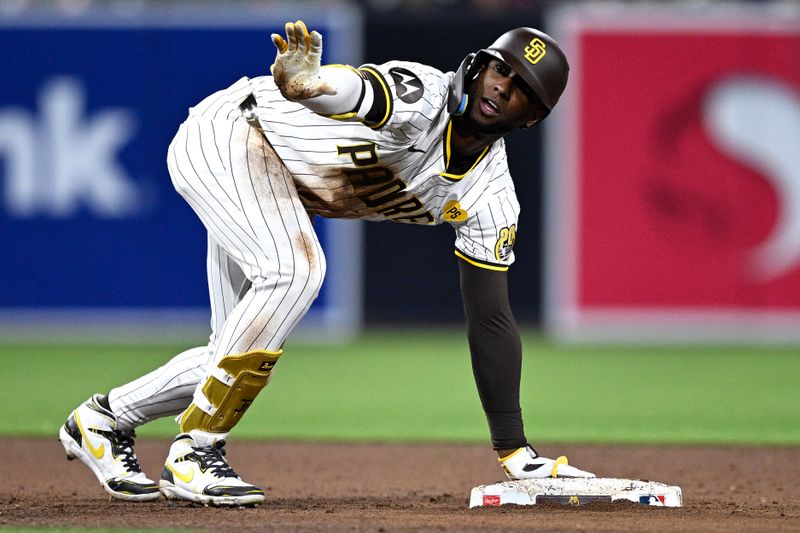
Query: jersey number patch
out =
(505, 243)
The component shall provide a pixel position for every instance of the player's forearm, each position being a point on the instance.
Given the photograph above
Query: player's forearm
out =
(353, 96)
(496, 362)
(496, 353)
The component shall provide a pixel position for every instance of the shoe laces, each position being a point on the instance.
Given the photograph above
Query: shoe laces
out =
(212, 459)
(122, 445)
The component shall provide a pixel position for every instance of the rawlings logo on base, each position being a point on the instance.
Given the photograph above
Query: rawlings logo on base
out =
(493, 501)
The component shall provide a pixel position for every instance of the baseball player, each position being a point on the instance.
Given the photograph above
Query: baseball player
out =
(257, 161)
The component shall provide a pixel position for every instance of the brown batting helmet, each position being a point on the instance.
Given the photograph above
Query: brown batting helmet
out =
(536, 58)
(533, 55)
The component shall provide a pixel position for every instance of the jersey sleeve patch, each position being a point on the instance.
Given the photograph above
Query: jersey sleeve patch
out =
(382, 105)
(407, 85)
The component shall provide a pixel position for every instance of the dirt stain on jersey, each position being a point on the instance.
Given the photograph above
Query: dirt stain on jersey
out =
(273, 183)
(328, 193)
(355, 192)
(308, 246)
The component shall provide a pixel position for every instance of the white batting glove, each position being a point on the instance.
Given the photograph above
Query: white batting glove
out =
(525, 463)
(296, 67)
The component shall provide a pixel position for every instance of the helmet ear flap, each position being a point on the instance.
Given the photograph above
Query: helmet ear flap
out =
(457, 98)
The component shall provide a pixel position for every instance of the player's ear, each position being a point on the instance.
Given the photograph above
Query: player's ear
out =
(537, 115)
(535, 119)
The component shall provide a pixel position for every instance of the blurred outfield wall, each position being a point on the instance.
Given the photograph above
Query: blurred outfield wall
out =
(663, 212)
(674, 174)
(95, 242)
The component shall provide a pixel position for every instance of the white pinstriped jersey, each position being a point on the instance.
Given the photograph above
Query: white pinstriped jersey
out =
(394, 165)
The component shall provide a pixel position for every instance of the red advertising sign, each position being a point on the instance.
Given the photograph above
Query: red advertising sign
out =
(674, 176)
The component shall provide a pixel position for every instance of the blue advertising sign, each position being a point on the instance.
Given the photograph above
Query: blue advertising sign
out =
(91, 229)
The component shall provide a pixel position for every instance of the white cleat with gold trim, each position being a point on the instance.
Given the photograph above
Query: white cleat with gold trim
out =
(200, 474)
(90, 434)
(526, 463)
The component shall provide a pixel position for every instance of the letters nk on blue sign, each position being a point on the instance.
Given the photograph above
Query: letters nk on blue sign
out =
(88, 215)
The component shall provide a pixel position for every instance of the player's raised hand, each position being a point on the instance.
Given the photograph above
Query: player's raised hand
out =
(296, 67)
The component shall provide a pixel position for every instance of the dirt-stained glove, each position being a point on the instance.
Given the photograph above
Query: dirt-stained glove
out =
(296, 67)
(526, 463)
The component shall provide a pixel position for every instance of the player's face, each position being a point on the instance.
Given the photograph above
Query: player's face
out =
(501, 101)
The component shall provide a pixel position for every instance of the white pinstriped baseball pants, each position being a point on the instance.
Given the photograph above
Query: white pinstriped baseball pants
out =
(265, 264)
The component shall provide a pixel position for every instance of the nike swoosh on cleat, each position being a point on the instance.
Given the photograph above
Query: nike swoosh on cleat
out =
(98, 452)
(530, 467)
(186, 478)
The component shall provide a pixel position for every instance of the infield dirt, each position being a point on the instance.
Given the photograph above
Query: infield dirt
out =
(411, 487)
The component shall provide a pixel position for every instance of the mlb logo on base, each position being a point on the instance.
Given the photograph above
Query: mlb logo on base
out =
(652, 500)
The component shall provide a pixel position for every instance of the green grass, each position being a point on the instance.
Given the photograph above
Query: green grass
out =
(411, 385)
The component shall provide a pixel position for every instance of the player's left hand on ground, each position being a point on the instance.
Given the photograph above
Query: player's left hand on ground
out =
(526, 463)
(296, 67)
